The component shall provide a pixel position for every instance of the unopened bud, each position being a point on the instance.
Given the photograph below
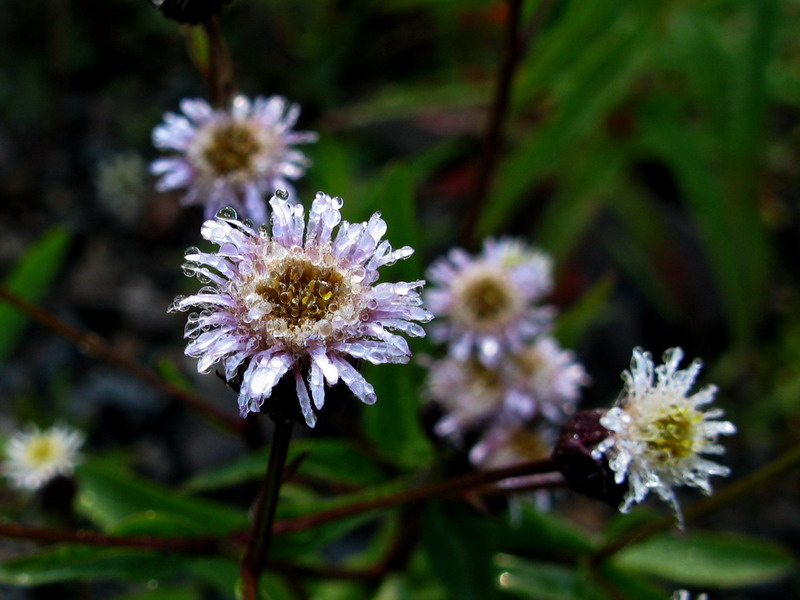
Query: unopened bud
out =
(573, 455)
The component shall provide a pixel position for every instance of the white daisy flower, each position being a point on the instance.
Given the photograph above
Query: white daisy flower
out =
(34, 457)
(658, 432)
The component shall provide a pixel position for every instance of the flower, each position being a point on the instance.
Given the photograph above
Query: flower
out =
(231, 157)
(539, 381)
(684, 595)
(34, 457)
(658, 432)
(488, 301)
(506, 444)
(279, 303)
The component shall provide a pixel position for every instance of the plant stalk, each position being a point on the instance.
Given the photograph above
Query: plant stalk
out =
(255, 557)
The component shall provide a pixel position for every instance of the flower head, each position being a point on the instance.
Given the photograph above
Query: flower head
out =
(298, 300)
(488, 302)
(658, 432)
(34, 457)
(684, 595)
(540, 381)
(231, 157)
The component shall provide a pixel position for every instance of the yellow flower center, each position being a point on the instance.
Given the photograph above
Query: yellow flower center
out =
(231, 149)
(671, 436)
(299, 291)
(41, 451)
(486, 299)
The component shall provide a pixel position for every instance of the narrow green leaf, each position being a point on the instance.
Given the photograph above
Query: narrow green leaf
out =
(460, 551)
(536, 580)
(30, 279)
(542, 534)
(392, 424)
(110, 495)
(83, 563)
(708, 559)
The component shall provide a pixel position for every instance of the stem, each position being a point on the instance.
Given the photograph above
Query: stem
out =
(517, 44)
(93, 345)
(93, 538)
(754, 481)
(497, 119)
(220, 69)
(444, 488)
(266, 503)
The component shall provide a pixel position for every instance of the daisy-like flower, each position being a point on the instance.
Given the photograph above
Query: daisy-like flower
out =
(34, 457)
(658, 431)
(300, 301)
(541, 380)
(231, 157)
(487, 303)
(684, 595)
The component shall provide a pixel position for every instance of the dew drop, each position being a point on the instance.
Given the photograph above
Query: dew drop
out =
(248, 223)
(337, 202)
(190, 251)
(282, 194)
(227, 213)
(263, 231)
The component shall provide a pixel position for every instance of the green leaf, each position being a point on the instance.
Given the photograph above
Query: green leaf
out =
(158, 592)
(110, 495)
(83, 563)
(392, 424)
(327, 459)
(542, 534)
(460, 551)
(708, 559)
(535, 580)
(30, 279)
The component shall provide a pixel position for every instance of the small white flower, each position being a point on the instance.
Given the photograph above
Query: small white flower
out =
(231, 157)
(658, 432)
(34, 457)
(487, 303)
(684, 595)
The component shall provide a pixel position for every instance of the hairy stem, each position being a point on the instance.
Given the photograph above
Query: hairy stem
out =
(518, 42)
(93, 345)
(92, 538)
(442, 489)
(267, 501)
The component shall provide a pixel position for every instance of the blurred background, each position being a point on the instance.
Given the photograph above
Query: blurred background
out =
(651, 148)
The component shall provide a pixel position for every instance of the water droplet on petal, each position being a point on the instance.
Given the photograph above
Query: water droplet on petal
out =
(227, 213)
(282, 194)
(190, 251)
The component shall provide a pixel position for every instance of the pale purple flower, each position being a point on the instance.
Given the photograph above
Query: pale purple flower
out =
(540, 381)
(506, 444)
(232, 157)
(34, 456)
(658, 432)
(298, 301)
(487, 303)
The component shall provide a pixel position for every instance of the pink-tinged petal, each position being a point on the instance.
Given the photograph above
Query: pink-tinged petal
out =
(353, 379)
(317, 383)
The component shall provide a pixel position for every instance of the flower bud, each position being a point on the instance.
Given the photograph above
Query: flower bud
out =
(573, 455)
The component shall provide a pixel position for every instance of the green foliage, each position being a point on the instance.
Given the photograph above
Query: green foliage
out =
(708, 559)
(30, 279)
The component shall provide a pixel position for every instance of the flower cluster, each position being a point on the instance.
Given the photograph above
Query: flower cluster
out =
(503, 374)
(657, 432)
(298, 301)
(34, 456)
(231, 157)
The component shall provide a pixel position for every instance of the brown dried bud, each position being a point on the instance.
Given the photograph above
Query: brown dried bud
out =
(190, 11)
(573, 455)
